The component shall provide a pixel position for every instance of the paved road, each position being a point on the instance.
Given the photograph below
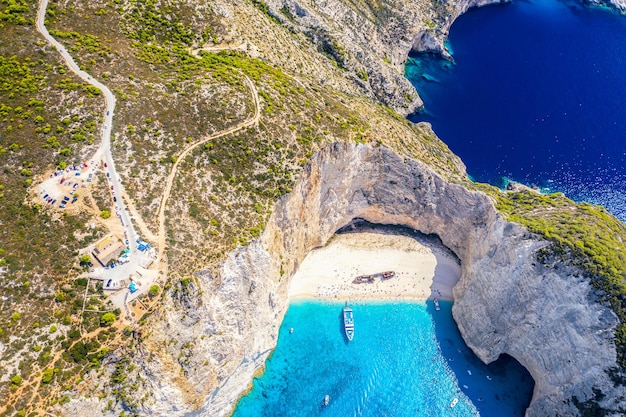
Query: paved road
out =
(123, 271)
(105, 145)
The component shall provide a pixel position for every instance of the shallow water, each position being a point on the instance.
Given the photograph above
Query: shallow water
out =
(537, 94)
(401, 362)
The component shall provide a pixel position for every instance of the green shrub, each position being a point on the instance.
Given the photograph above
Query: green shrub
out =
(107, 319)
(79, 352)
(154, 290)
(16, 380)
(47, 376)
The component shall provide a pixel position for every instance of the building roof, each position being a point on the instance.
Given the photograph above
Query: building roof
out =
(106, 253)
(103, 243)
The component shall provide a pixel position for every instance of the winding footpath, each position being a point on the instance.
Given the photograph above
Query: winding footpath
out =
(124, 204)
(180, 157)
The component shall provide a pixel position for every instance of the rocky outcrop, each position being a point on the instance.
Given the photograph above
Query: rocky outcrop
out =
(371, 41)
(432, 39)
(214, 331)
(618, 5)
(505, 301)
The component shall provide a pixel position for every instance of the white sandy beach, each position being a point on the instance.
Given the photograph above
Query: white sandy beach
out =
(423, 270)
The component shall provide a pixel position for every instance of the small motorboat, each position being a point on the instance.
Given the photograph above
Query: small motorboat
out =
(326, 400)
(454, 402)
(348, 322)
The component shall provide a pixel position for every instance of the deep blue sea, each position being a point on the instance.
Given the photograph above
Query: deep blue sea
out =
(406, 359)
(537, 94)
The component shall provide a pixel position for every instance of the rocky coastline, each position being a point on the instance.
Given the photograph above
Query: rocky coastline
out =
(505, 302)
(372, 43)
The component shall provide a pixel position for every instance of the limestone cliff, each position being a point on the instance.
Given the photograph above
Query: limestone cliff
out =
(371, 40)
(505, 301)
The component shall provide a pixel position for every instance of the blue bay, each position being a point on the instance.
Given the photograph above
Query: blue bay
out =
(537, 94)
(406, 359)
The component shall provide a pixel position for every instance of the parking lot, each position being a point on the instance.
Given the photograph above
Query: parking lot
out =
(62, 188)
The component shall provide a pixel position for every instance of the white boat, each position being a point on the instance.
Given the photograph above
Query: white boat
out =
(453, 403)
(436, 302)
(348, 322)
(326, 400)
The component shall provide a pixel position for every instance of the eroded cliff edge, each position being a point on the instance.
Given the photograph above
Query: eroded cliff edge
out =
(506, 301)
(371, 40)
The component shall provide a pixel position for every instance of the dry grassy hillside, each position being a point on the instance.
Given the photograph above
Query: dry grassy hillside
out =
(171, 94)
(181, 72)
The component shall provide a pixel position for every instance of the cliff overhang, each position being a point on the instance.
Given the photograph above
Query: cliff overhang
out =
(505, 302)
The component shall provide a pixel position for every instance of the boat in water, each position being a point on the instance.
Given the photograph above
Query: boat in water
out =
(348, 322)
(326, 400)
(436, 302)
(454, 402)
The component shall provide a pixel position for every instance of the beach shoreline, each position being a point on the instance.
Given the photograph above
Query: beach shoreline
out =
(423, 270)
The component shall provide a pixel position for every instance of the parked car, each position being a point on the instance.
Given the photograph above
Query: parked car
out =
(114, 199)
(112, 187)
(66, 198)
(105, 165)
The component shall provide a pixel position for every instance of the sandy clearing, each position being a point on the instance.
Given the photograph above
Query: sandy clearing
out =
(423, 269)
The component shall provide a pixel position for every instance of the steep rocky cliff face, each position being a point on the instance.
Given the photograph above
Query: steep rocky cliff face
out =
(505, 301)
(371, 39)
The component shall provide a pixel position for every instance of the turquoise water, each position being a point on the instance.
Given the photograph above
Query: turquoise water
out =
(405, 359)
(537, 94)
